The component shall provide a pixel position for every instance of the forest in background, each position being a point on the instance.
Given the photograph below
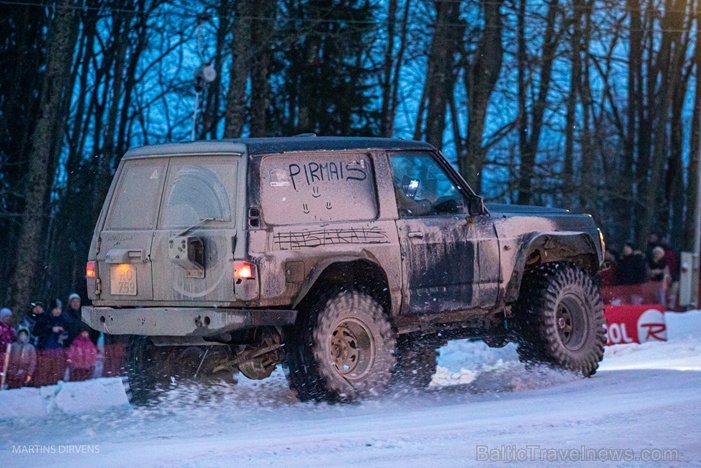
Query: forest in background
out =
(590, 105)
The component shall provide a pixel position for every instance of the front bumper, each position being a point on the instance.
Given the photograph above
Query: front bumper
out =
(182, 321)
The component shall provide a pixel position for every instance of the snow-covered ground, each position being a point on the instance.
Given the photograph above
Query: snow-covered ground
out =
(482, 406)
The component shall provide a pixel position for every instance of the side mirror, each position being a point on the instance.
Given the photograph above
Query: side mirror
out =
(476, 206)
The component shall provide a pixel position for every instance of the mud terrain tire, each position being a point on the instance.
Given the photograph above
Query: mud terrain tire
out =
(153, 370)
(145, 372)
(559, 317)
(416, 362)
(341, 350)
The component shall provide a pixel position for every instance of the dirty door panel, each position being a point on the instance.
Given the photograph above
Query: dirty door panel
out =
(442, 248)
(196, 235)
(125, 240)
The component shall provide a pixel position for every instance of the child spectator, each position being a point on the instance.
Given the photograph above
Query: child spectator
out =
(82, 356)
(23, 361)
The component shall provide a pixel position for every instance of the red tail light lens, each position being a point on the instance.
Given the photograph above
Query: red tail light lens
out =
(90, 270)
(243, 270)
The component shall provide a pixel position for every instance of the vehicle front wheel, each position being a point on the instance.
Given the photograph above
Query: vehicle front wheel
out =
(342, 349)
(559, 318)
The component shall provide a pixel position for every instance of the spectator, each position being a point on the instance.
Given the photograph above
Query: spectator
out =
(657, 265)
(73, 313)
(53, 339)
(7, 333)
(631, 268)
(23, 360)
(31, 318)
(82, 356)
(608, 276)
(7, 336)
(674, 266)
(672, 259)
(72, 316)
(653, 240)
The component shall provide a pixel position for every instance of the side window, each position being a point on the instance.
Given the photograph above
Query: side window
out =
(304, 188)
(422, 187)
(199, 189)
(136, 198)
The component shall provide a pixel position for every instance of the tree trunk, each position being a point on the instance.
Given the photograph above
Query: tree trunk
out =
(692, 206)
(440, 76)
(240, 67)
(64, 33)
(529, 144)
(261, 42)
(480, 79)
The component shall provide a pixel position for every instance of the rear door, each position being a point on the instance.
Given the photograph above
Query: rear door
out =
(125, 239)
(198, 212)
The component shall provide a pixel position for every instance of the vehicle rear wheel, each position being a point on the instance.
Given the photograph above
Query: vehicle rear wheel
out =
(341, 350)
(146, 376)
(152, 370)
(559, 317)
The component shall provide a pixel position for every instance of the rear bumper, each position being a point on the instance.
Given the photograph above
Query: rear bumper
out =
(182, 321)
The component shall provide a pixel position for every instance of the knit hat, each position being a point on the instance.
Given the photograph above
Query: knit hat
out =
(5, 312)
(37, 303)
(73, 296)
(56, 303)
(23, 329)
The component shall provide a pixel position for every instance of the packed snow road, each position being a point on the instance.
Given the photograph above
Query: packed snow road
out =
(643, 407)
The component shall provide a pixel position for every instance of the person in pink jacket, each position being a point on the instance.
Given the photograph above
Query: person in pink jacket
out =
(82, 356)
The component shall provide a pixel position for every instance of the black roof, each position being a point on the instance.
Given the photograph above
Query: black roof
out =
(258, 146)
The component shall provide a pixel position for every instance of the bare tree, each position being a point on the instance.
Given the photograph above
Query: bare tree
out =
(45, 148)
(480, 78)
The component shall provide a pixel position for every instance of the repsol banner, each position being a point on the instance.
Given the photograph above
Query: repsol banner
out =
(634, 324)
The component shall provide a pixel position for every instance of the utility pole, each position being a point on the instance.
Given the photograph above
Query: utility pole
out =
(204, 74)
(697, 232)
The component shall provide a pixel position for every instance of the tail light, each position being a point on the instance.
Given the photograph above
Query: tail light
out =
(90, 270)
(243, 270)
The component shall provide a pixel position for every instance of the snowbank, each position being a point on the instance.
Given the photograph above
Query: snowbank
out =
(65, 397)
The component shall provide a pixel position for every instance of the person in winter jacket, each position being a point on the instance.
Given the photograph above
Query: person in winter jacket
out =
(7, 333)
(23, 361)
(632, 267)
(31, 318)
(82, 356)
(53, 339)
(7, 336)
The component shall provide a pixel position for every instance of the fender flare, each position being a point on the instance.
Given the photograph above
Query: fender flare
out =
(546, 247)
(321, 267)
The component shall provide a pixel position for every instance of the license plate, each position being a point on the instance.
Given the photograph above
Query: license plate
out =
(123, 280)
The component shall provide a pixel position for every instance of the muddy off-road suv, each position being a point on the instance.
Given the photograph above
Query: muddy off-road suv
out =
(347, 260)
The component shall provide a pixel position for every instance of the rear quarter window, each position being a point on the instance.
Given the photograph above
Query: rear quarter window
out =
(136, 198)
(302, 188)
(198, 189)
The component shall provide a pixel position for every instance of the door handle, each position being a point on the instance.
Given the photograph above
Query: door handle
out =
(115, 256)
(415, 234)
